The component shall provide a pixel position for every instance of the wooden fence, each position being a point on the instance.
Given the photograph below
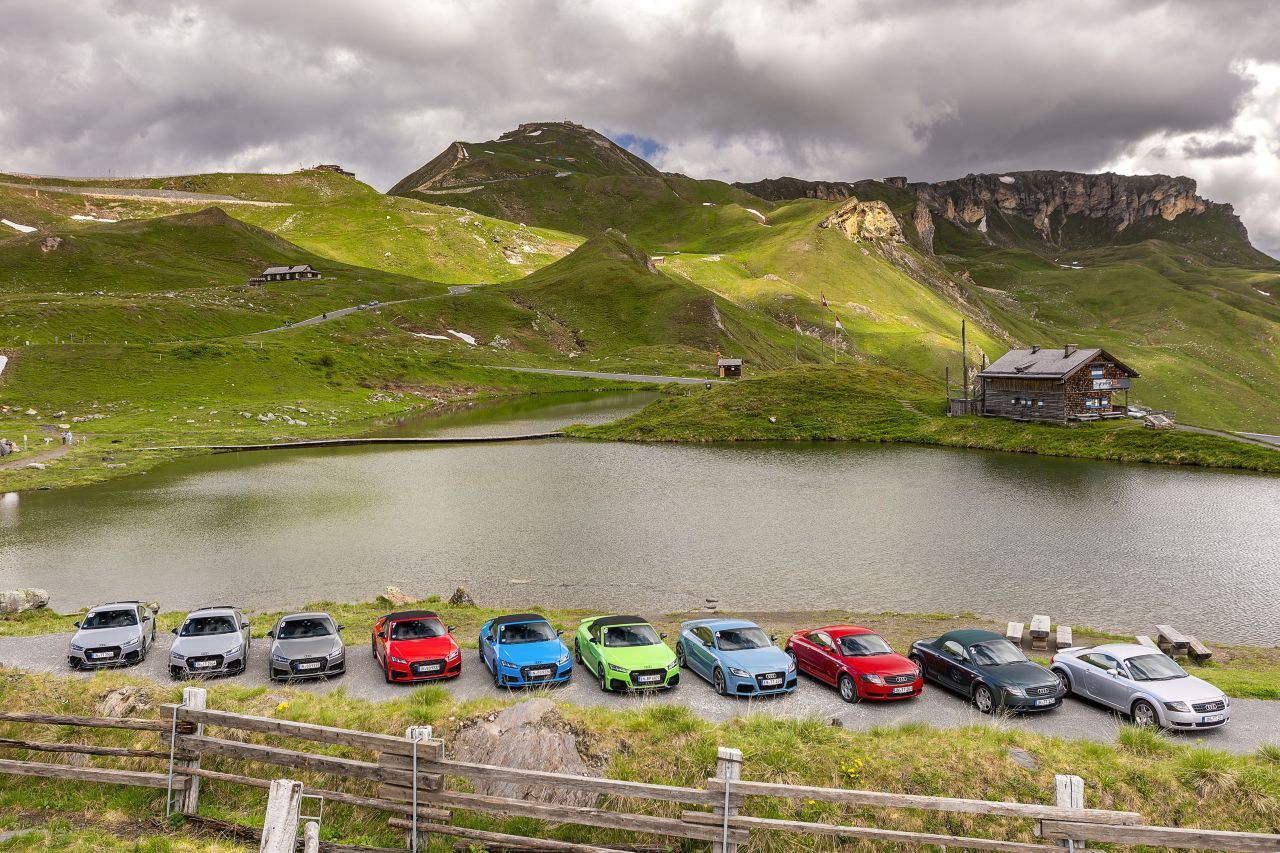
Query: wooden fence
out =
(412, 776)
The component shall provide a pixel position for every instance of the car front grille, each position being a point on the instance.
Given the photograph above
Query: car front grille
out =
(646, 674)
(780, 682)
(108, 654)
(1207, 707)
(427, 667)
(308, 666)
(194, 664)
(1048, 690)
(905, 678)
(547, 670)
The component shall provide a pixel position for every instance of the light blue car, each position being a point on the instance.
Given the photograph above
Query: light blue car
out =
(736, 656)
(523, 650)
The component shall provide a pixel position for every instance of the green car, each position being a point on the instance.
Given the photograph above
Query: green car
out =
(625, 653)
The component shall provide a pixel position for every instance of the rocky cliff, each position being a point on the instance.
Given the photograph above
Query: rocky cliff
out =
(870, 221)
(783, 189)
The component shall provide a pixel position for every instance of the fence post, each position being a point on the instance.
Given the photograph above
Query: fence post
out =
(1069, 794)
(280, 826)
(728, 769)
(189, 798)
(311, 837)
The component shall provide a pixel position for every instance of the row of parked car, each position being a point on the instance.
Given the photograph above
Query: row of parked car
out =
(625, 653)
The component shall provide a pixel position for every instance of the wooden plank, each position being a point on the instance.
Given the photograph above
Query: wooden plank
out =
(1199, 651)
(93, 722)
(1039, 626)
(499, 840)
(89, 749)
(1068, 793)
(241, 832)
(608, 787)
(1172, 636)
(88, 774)
(1013, 633)
(1065, 638)
(871, 833)
(286, 758)
(1032, 811)
(280, 825)
(1161, 836)
(1144, 640)
(289, 728)
(424, 812)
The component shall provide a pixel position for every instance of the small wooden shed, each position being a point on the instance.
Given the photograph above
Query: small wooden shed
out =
(730, 368)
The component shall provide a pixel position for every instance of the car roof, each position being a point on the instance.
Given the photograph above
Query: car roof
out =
(225, 609)
(311, 614)
(969, 636)
(611, 621)
(115, 605)
(517, 618)
(837, 631)
(716, 624)
(1123, 651)
(411, 614)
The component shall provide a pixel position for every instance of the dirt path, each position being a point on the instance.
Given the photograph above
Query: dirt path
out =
(1242, 438)
(23, 458)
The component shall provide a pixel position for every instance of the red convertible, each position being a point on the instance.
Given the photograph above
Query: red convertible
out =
(856, 660)
(414, 645)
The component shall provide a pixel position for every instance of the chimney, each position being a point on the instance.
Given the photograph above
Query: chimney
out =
(1035, 348)
(1068, 349)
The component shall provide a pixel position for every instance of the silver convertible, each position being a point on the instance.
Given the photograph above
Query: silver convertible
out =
(1144, 683)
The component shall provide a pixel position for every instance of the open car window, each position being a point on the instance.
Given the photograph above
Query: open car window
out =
(417, 629)
(1154, 667)
(110, 619)
(299, 629)
(206, 626)
(742, 639)
(623, 636)
(526, 632)
(864, 645)
(996, 652)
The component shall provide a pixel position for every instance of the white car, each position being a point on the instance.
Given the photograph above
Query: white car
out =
(211, 641)
(119, 633)
(1144, 683)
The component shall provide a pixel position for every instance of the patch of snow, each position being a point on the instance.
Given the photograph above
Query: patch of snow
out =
(1005, 179)
(982, 225)
(462, 336)
(432, 337)
(534, 133)
(83, 218)
(757, 214)
(25, 229)
(563, 174)
(4, 359)
(710, 258)
(487, 151)
(466, 155)
(708, 204)
(1263, 292)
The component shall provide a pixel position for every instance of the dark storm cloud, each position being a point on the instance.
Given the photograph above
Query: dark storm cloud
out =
(724, 88)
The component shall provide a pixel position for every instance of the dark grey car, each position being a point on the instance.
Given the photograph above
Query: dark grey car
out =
(306, 645)
(115, 634)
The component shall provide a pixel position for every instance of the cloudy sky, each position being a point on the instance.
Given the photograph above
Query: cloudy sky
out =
(732, 89)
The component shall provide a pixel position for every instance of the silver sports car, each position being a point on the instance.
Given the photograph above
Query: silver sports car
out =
(1144, 683)
(112, 634)
(211, 641)
(306, 645)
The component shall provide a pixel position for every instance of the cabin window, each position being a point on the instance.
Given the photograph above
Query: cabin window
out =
(1097, 403)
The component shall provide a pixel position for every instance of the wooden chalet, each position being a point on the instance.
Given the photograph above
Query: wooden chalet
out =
(302, 272)
(1057, 385)
(730, 368)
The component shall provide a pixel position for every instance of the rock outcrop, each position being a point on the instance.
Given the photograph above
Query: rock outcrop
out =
(22, 600)
(923, 220)
(869, 221)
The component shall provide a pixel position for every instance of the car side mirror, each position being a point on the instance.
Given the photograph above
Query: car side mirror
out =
(773, 638)
(77, 624)
(271, 634)
(662, 636)
(559, 633)
(342, 628)
(244, 624)
(173, 631)
(450, 629)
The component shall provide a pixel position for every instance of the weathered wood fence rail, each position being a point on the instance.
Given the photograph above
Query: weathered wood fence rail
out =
(411, 777)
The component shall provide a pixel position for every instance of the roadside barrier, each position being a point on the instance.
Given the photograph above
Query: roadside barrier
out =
(408, 777)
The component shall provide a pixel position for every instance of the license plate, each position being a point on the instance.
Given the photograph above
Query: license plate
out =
(539, 673)
(308, 666)
(205, 664)
(1213, 718)
(646, 679)
(435, 667)
(101, 655)
(903, 689)
(1042, 702)
(770, 682)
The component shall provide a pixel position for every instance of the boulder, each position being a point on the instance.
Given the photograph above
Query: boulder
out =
(461, 598)
(532, 736)
(22, 600)
(124, 702)
(394, 595)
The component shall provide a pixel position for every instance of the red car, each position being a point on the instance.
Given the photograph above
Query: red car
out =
(856, 660)
(415, 645)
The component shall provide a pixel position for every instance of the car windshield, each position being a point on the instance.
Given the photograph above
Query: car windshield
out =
(110, 619)
(417, 629)
(996, 652)
(298, 629)
(863, 645)
(526, 632)
(622, 636)
(204, 626)
(1155, 667)
(741, 639)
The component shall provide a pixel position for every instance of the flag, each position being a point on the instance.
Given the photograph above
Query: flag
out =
(798, 329)
(838, 326)
(824, 300)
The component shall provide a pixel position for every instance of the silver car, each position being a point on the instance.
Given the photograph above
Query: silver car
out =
(115, 634)
(1144, 683)
(211, 641)
(306, 645)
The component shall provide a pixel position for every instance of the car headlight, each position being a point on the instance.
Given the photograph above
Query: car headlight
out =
(279, 658)
(1180, 707)
(131, 642)
(791, 665)
(675, 664)
(177, 656)
(1226, 701)
(1015, 691)
(395, 659)
(76, 648)
(741, 673)
(617, 668)
(564, 658)
(337, 653)
(453, 655)
(509, 665)
(872, 678)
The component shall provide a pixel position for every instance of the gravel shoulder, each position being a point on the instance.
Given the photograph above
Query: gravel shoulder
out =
(1255, 723)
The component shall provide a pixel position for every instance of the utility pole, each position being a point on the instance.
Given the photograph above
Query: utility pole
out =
(964, 360)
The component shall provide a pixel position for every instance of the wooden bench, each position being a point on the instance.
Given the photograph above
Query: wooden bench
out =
(1014, 633)
(1199, 652)
(1144, 640)
(1064, 636)
(1177, 641)
(1040, 632)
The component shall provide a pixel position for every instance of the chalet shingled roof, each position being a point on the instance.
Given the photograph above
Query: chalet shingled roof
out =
(1047, 362)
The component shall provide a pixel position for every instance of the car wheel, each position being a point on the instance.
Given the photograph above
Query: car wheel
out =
(175, 674)
(983, 698)
(795, 664)
(718, 681)
(919, 662)
(680, 658)
(373, 647)
(604, 679)
(848, 690)
(386, 673)
(1064, 681)
(1144, 714)
(577, 655)
(73, 663)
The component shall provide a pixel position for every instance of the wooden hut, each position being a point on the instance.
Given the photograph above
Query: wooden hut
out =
(730, 368)
(1058, 385)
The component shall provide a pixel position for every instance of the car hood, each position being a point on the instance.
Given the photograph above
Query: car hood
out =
(427, 647)
(1189, 689)
(1022, 674)
(889, 664)
(768, 659)
(214, 644)
(524, 654)
(306, 647)
(106, 636)
(639, 657)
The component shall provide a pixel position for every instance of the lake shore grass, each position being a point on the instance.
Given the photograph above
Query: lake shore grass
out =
(1240, 671)
(1168, 782)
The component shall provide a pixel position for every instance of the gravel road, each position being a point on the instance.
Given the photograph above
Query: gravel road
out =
(1256, 722)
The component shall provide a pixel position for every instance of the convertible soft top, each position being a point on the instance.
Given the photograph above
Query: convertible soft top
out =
(513, 618)
(608, 621)
(412, 614)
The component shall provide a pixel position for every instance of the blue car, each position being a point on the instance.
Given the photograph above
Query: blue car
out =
(523, 650)
(736, 656)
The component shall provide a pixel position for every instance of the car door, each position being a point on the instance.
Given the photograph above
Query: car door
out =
(825, 660)
(145, 626)
(1108, 688)
(700, 658)
(380, 641)
(955, 669)
(488, 651)
(593, 654)
(803, 650)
